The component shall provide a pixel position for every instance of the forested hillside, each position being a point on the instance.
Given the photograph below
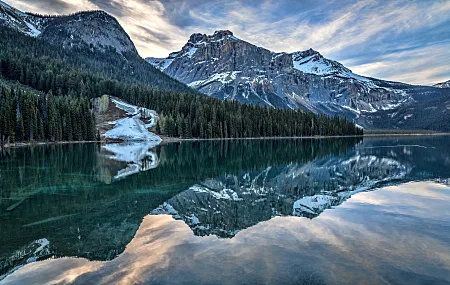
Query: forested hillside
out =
(27, 115)
(67, 79)
(44, 66)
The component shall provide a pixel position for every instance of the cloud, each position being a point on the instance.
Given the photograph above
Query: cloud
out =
(372, 37)
(417, 66)
(47, 7)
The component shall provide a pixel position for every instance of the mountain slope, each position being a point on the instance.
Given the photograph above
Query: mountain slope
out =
(38, 56)
(445, 84)
(225, 67)
(84, 29)
(23, 22)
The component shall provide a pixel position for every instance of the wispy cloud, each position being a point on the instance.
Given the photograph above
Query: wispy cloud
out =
(378, 38)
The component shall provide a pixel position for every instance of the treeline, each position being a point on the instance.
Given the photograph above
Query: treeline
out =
(183, 113)
(188, 116)
(28, 116)
(55, 16)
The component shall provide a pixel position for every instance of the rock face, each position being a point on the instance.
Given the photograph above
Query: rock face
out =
(225, 67)
(93, 29)
(445, 84)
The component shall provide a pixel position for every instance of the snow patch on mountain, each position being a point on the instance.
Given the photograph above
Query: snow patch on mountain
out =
(224, 77)
(314, 204)
(160, 63)
(226, 194)
(33, 252)
(312, 62)
(5, 5)
(33, 31)
(191, 51)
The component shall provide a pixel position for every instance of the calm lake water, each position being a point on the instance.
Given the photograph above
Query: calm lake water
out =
(328, 211)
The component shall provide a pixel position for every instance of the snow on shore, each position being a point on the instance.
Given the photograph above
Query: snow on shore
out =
(138, 141)
(132, 128)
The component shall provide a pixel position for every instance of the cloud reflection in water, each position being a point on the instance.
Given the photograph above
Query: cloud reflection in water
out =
(397, 234)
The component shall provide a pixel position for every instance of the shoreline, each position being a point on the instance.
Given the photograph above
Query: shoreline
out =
(167, 140)
(27, 144)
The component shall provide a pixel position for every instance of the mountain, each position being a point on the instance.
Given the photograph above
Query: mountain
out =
(87, 42)
(225, 67)
(84, 29)
(445, 84)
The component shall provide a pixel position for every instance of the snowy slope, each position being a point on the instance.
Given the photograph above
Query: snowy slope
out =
(160, 63)
(445, 84)
(28, 24)
(138, 141)
(31, 253)
(132, 128)
(312, 62)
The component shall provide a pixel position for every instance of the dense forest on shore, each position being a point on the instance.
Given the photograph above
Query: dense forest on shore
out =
(67, 79)
(29, 116)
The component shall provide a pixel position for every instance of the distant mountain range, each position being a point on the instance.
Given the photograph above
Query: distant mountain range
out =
(227, 68)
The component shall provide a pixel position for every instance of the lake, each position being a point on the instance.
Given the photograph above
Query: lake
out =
(293, 211)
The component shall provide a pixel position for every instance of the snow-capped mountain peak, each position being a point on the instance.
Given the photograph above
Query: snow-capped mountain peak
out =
(311, 61)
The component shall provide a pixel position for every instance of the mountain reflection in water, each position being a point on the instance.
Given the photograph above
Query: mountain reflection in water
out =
(88, 201)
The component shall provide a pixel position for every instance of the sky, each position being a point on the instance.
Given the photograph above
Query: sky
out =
(399, 40)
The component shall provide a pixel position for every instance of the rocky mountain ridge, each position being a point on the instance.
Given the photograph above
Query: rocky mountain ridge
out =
(225, 67)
